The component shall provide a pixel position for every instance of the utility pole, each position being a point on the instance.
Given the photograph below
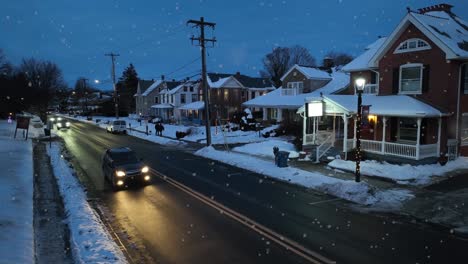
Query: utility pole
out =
(116, 101)
(85, 94)
(206, 95)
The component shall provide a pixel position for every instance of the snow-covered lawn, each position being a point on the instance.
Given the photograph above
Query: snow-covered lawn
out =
(361, 193)
(16, 196)
(197, 133)
(266, 148)
(403, 174)
(89, 239)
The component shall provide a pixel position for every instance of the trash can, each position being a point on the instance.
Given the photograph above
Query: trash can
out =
(281, 159)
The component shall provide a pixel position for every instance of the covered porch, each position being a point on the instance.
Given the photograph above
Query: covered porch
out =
(397, 125)
(165, 111)
(192, 113)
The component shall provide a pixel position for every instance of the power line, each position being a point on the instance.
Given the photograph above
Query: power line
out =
(183, 66)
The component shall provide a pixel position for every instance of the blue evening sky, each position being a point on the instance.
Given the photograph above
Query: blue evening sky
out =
(153, 35)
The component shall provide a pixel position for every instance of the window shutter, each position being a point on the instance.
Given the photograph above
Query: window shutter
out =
(425, 78)
(396, 81)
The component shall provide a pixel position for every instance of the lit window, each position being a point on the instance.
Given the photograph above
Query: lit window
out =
(412, 45)
(411, 78)
(226, 94)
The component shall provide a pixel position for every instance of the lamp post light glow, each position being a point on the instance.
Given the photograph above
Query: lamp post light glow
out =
(359, 85)
(97, 81)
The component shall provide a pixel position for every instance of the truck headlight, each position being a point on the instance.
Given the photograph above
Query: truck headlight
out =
(59, 119)
(120, 173)
(67, 124)
(59, 125)
(52, 119)
(145, 169)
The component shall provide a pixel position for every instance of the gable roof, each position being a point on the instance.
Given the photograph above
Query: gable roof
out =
(144, 84)
(309, 72)
(274, 99)
(361, 62)
(151, 88)
(218, 79)
(447, 31)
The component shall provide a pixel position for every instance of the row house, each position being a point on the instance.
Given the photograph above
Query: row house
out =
(171, 99)
(417, 89)
(229, 91)
(299, 83)
(148, 95)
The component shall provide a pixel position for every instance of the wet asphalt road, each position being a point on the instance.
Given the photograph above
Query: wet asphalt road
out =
(170, 226)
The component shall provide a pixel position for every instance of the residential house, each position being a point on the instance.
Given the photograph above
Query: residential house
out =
(299, 82)
(145, 90)
(229, 91)
(417, 91)
(172, 99)
(163, 105)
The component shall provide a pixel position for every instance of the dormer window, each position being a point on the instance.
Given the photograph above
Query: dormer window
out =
(412, 45)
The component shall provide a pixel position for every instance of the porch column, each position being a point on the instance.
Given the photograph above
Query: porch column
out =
(345, 136)
(265, 114)
(314, 132)
(438, 137)
(384, 129)
(418, 138)
(355, 127)
(334, 128)
(279, 116)
(304, 129)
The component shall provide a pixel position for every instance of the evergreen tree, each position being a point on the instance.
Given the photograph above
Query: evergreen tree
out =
(127, 87)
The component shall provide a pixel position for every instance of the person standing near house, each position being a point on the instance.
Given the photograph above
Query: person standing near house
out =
(161, 128)
(156, 128)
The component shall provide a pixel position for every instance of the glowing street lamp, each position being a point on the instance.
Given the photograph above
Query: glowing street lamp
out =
(359, 85)
(97, 81)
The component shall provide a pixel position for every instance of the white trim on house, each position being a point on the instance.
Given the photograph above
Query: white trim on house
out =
(405, 46)
(406, 21)
(421, 72)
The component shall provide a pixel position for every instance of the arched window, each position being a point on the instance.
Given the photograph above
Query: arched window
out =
(412, 45)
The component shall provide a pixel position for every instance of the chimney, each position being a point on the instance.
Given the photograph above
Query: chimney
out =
(440, 7)
(162, 77)
(237, 74)
(173, 80)
(328, 63)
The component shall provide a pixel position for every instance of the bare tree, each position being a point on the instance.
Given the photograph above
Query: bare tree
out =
(281, 59)
(339, 58)
(6, 69)
(44, 79)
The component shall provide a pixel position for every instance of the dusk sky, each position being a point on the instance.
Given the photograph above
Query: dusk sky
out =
(153, 35)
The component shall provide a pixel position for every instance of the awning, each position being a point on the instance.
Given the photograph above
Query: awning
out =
(198, 105)
(390, 105)
(162, 106)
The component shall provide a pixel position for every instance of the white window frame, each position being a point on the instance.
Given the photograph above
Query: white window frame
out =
(405, 46)
(399, 132)
(297, 85)
(421, 70)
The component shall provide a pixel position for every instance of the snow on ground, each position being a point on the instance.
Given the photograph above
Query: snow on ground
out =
(16, 196)
(197, 133)
(266, 148)
(361, 193)
(90, 241)
(403, 174)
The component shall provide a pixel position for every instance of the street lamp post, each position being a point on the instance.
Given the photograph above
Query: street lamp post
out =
(359, 85)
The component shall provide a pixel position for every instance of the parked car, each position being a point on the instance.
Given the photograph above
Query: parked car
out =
(117, 126)
(121, 166)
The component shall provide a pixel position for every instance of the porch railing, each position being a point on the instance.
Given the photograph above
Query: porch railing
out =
(324, 147)
(396, 149)
(371, 89)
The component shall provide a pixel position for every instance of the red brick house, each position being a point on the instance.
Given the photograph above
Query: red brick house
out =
(417, 86)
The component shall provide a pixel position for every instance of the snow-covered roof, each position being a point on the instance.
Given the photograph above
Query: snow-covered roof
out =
(309, 72)
(162, 106)
(151, 88)
(382, 105)
(447, 31)
(362, 61)
(193, 106)
(339, 81)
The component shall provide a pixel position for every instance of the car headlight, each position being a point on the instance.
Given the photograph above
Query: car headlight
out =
(67, 123)
(59, 125)
(145, 169)
(120, 173)
(52, 119)
(59, 118)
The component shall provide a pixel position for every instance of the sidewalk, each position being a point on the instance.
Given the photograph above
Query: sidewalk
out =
(16, 194)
